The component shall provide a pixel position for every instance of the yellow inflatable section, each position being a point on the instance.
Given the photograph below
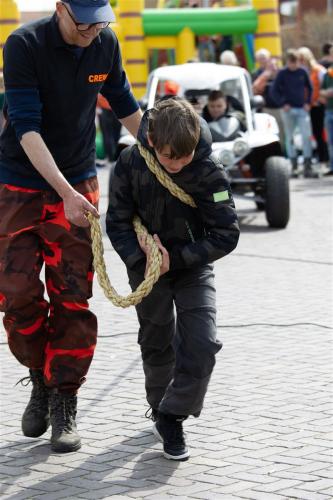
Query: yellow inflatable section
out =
(141, 30)
(268, 34)
(9, 21)
(135, 43)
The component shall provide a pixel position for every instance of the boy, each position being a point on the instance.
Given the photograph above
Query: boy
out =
(219, 105)
(178, 354)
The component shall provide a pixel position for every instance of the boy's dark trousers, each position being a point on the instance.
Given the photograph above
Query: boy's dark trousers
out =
(178, 350)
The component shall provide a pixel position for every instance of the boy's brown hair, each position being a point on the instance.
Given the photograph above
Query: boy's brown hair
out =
(292, 55)
(214, 95)
(175, 123)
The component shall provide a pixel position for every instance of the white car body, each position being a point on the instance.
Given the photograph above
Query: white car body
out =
(252, 157)
(261, 128)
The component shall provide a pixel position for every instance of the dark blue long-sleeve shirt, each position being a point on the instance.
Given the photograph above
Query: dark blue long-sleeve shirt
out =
(52, 88)
(292, 87)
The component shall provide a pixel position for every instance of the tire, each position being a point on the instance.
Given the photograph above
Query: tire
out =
(260, 206)
(277, 192)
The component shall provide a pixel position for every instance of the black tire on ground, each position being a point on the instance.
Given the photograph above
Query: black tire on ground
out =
(260, 205)
(277, 192)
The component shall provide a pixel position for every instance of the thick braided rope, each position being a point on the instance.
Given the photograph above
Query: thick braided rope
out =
(164, 179)
(153, 271)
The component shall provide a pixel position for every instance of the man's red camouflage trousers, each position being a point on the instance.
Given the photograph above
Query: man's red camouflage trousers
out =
(58, 335)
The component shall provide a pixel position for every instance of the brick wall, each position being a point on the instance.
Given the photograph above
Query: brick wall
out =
(306, 5)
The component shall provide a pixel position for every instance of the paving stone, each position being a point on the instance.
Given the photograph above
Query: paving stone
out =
(20, 494)
(58, 495)
(319, 485)
(264, 433)
(109, 492)
(259, 495)
(277, 485)
(301, 494)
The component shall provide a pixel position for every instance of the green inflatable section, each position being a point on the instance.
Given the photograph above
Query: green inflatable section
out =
(228, 21)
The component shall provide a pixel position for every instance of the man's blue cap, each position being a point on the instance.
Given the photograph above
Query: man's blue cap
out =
(91, 11)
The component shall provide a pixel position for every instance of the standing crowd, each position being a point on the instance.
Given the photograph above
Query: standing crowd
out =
(300, 97)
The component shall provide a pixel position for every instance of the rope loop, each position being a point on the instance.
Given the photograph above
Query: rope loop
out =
(155, 257)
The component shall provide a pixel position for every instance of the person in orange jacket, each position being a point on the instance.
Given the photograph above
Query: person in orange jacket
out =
(317, 111)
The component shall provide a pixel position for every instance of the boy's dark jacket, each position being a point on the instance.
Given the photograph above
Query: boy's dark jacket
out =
(192, 236)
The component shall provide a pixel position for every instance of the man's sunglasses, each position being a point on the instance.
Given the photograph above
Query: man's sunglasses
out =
(86, 27)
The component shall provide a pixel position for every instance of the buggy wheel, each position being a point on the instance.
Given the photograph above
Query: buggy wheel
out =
(260, 205)
(277, 192)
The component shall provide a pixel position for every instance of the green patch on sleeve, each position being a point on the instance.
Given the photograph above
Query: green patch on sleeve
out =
(221, 196)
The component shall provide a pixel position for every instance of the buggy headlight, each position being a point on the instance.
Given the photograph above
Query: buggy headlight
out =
(240, 148)
(227, 158)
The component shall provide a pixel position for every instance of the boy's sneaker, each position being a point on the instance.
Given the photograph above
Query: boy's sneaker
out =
(169, 430)
(152, 414)
(294, 167)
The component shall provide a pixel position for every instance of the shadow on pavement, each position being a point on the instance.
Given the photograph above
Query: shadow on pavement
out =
(112, 385)
(251, 221)
(28, 456)
(117, 466)
(21, 454)
(246, 227)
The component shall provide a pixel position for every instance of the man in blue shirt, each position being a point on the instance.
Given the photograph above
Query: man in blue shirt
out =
(292, 90)
(54, 69)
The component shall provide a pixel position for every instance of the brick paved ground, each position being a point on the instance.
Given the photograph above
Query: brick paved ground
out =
(266, 429)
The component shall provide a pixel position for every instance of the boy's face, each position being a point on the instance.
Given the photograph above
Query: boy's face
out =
(293, 65)
(217, 108)
(171, 165)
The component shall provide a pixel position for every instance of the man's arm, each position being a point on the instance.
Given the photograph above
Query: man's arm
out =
(75, 204)
(309, 87)
(276, 90)
(132, 122)
(117, 91)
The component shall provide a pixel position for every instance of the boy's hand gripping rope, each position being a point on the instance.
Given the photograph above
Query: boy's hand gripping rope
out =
(155, 260)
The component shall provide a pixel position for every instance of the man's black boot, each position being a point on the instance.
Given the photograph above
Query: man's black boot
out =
(63, 412)
(169, 430)
(36, 417)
